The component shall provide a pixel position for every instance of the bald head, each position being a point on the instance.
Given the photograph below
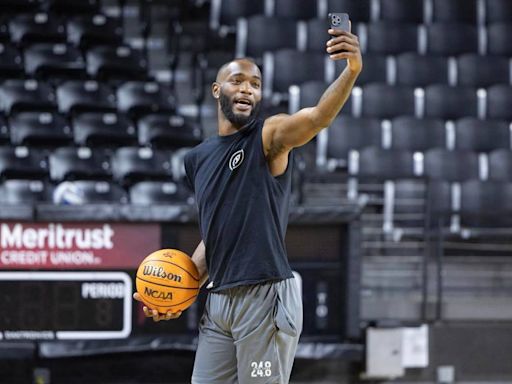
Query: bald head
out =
(238, 66)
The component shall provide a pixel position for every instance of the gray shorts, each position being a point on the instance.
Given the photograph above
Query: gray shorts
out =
(249, 334)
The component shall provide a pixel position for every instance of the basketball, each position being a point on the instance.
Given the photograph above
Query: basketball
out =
(167, 280)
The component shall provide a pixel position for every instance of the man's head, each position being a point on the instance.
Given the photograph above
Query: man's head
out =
(238, 89)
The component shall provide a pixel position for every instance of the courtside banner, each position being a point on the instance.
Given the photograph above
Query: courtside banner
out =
(76, 245)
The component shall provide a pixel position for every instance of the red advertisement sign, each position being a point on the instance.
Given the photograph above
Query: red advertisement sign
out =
(76, 245)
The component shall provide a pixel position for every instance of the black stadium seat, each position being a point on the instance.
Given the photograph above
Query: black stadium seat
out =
(54, 61)
(497, 11)
(115, 63)
(93, 129)
(418, 70)
(350, 133)
(469, 70)
(415, 134)
(22, 163)
(483, 203)
(168, 131)
(481, 135)
(137, 98)
(499, 101)
(461, 11)
(316, 35)
(131, 165)
(85, 96)
(89, 192)
(79, 164)
(266, 34)
(310, 93)
(442, 164)
(359, 10)
(18, 192)
(225, 13)
(392, 38)
(387, 101)
(159, 192)
(40, 129)
(70, 7)
(312, 67)
(445, 102)
(11, 62)
(295, 9)
(26, 95)
(500, 165)
(402, 11)
(451, 39)
(4, 131)
(383, 164)
(39, 27)
(374, 69)
(498, 42)
(85, 31)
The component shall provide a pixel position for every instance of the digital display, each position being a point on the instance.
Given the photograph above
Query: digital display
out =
(65, 305)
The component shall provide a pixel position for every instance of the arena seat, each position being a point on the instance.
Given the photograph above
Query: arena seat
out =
(137, 98)
(5, 137)
(375, 69)
(392, 38)
(499, 100)
(399, 100)
(42, 129)
(498, 11)
(85, 31)
(359, 11)
(417, 70)
(71, 7)
(83, 163)
(500, 165)
(225, 13)
(89, 192)
(17, 192)
(401, 11)
(295, 9)
(451, 39)
(383, 164)
(53, 62)
(159, 192)
(469, 70)
(26, 95)
(348, 133)
(414, 134)
(115, 63)
(455, 11)
(312, 67)
(266, 34)
(85, 96)
(94, 129)
(9, 7)
(446, 102)
(168, 131)
(38, 27)
(498, 42)
(133, 164)
(452, 166)
(481, 135)
(11, 62)
(315, 35)
(22, 163)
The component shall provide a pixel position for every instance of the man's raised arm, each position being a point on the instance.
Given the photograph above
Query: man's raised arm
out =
(284, 132)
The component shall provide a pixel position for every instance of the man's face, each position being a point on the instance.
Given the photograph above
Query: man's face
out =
(239, 92)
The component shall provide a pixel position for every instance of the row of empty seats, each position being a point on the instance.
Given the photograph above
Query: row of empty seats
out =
(224, 13)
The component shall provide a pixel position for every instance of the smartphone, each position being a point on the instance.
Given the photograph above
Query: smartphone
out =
(339, 21)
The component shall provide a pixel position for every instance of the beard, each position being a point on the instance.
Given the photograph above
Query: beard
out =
(237, 119)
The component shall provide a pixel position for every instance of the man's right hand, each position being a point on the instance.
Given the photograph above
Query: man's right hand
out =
(154, 313)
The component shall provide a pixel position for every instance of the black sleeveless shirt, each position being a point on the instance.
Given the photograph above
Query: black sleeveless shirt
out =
(243, 209)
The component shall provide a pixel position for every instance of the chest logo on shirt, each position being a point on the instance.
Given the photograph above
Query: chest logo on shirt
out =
(236, 159)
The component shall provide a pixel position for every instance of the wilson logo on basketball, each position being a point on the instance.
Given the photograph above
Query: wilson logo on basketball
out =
(150, 270)
(157, 294)
(236, 159)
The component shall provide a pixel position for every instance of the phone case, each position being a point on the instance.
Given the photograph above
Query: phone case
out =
(339, 21)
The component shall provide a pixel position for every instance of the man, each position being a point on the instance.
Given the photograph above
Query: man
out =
(242, 179)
